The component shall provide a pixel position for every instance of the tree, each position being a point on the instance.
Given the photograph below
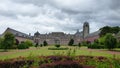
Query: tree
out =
(29, 43)
(110, 41)
(108, 29)
(8, 41)
(23, 45)
(1, 42)
(45, 43)
(71, 42)
(79, 44)
(57, 45)
(16, 42)
(36, 45)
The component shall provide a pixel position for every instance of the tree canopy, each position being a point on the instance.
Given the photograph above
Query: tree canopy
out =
(45, 43)
(71, 42)
(110, 41)
(108, 29)
(8, 41)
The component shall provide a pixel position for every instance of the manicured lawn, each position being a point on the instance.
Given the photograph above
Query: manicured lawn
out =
(43, 51)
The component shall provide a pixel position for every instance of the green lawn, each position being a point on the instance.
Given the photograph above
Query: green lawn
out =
(45, 52)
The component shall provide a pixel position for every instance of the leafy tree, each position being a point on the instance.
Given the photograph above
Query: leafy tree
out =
(108, 29)
(36, 45)
(71, 42)
(45, 43)
(41, 45)
(8, 41)
(16, 42)
(29, 43)
(101, 40)
(23, 45)
(110, 41)
(79, 44)
(116, 29)
(1, 42)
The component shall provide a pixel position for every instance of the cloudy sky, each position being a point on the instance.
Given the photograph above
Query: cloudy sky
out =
(46, 16)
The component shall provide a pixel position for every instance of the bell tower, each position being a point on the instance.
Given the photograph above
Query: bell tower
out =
(85, 30)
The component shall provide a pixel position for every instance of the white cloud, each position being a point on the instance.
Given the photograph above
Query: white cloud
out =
(46, 16)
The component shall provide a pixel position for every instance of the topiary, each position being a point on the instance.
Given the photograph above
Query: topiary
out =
(57, 45)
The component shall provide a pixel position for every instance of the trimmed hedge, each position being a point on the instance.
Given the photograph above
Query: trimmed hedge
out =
(57, 45)
(96, 46)
(58, 48)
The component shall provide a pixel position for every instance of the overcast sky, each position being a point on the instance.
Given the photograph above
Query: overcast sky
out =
(46, 16)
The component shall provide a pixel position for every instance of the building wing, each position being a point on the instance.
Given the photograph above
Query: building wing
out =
(16, 33)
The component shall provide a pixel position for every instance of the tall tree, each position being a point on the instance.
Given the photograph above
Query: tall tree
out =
(45, 43)
(105, 30)
(110, 41)
(8, 41)
(1, 42)
(108, 29)
(71, 42)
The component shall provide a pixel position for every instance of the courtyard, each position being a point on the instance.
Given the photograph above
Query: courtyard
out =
(43, 51)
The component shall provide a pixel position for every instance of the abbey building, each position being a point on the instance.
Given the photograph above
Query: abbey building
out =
(63, 38)
(54, 37)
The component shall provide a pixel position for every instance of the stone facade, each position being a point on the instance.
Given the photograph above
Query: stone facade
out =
(62, 37)
(52, 37)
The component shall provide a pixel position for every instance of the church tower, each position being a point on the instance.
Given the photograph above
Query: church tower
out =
(85, 29)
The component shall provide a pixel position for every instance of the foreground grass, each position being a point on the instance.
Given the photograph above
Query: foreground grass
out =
(43, 51)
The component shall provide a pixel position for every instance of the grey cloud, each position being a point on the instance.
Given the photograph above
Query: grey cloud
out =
(53, 13)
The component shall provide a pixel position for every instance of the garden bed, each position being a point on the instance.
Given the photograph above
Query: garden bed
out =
(60, 61)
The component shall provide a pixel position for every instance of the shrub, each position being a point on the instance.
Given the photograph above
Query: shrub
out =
(84, 43)
(29, 43)
(23, 45)
(1, 42)
(71, 42)
(36, 45)
(118, 44)
(58, 48)
(74, 45)
(79, 44)
(62, 64)
(45, 43)
(16, 42)
(57, 45)
(41, 45)
(110, 41)
(96, 46)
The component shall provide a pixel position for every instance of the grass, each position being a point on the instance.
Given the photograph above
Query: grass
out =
(43, 51)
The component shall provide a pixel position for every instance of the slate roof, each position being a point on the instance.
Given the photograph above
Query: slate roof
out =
(79, 33)
(94, 33)
(17, 33)
(37, 33)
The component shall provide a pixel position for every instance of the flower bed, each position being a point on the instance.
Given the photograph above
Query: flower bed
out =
(61, 62)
